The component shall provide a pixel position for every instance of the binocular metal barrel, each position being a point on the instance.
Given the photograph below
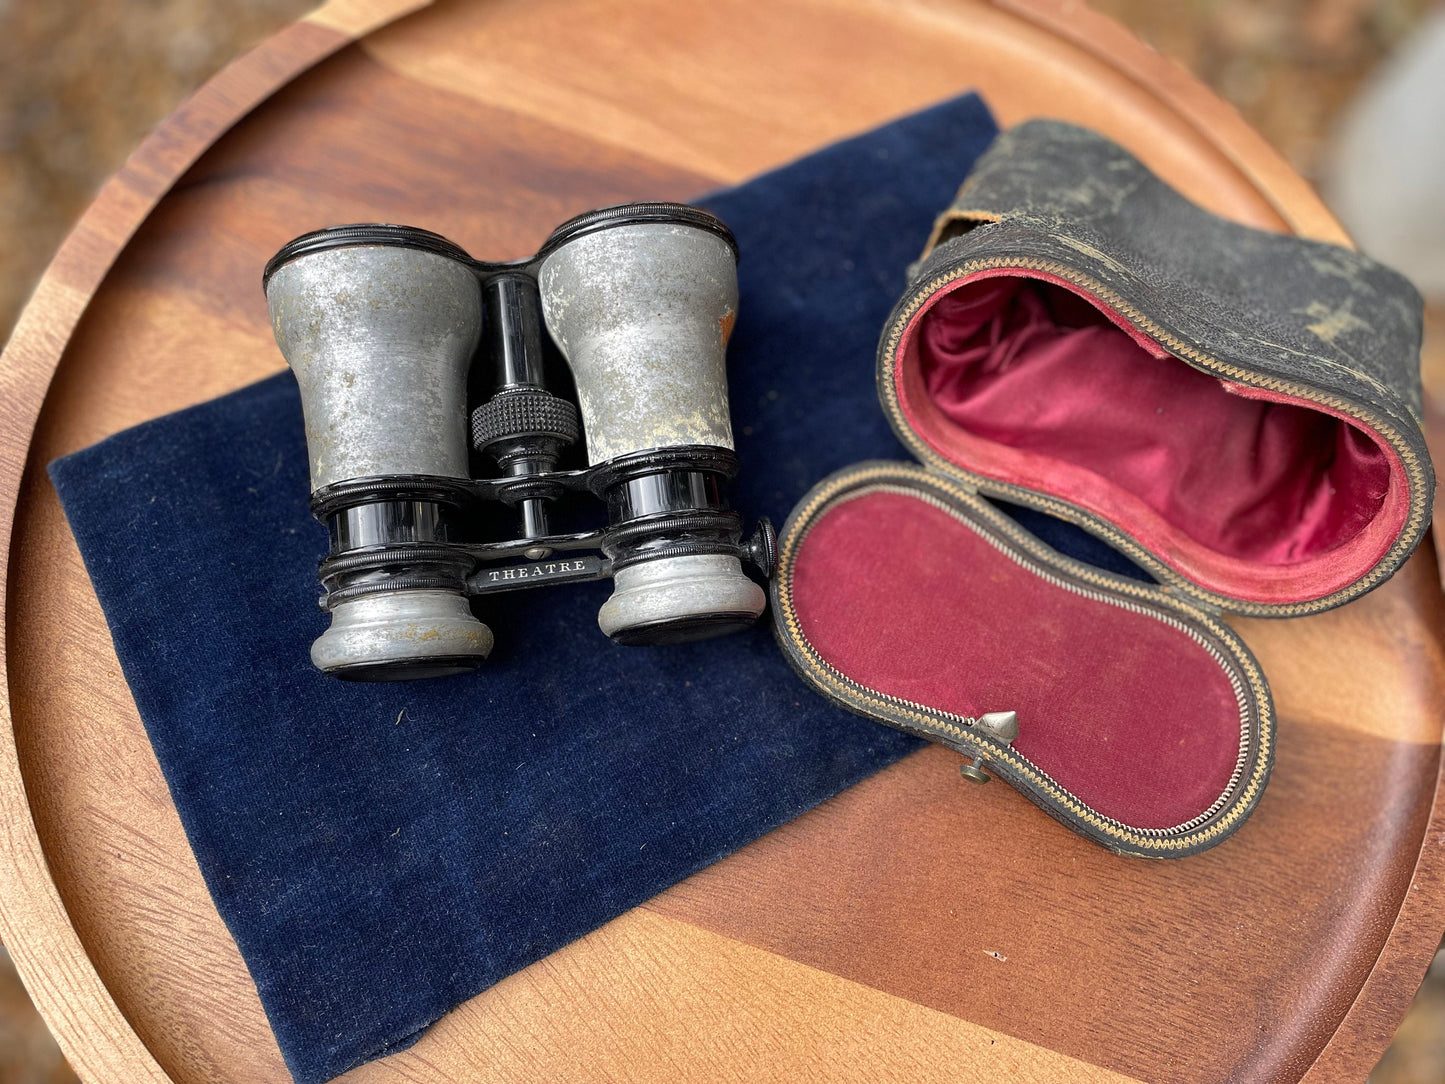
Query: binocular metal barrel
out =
(383, 325)
(643, 312)
(380, 337)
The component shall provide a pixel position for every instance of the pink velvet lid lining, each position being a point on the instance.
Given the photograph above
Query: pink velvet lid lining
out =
(1127, 712)
(1020, 377)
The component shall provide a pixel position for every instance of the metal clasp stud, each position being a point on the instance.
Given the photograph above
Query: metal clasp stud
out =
(999, 726)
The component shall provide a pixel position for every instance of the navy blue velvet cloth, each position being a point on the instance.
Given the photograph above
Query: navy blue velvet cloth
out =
(384, 852)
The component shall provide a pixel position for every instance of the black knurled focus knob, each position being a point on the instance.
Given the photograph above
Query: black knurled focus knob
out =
(524, 412)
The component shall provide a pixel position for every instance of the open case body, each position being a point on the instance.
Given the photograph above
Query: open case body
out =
(1236, 412)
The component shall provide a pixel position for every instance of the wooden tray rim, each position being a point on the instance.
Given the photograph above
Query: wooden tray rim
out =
(92, 1031)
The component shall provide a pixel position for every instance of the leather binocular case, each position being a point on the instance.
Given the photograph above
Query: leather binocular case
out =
(1236, 412)
(394, 332)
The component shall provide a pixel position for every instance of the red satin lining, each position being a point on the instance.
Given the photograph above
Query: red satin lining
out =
(1131, 715)
(1254, 495)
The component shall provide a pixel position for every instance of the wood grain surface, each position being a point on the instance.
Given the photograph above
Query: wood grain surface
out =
(914, 928)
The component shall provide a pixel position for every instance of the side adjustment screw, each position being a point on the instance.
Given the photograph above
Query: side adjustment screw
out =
(762, 548)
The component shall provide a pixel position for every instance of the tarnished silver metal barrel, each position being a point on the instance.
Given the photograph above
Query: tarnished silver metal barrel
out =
(380, 339)
(642, 311)
(379, 329)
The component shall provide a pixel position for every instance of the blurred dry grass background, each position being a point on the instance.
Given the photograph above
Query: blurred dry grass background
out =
(82, 81)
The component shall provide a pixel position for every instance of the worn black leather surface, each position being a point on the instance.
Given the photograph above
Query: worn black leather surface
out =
(1327, 318)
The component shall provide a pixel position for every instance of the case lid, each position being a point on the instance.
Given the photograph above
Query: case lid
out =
(1121, 709)
(1237, 411)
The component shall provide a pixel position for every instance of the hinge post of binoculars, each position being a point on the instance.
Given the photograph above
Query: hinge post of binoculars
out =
(523, 426)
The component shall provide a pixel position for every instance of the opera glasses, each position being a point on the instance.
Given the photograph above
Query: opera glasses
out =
(387, 327)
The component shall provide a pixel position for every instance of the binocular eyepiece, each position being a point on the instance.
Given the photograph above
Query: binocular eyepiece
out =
(386, 328)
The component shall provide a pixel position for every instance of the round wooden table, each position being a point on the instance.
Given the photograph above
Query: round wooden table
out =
(912, 929)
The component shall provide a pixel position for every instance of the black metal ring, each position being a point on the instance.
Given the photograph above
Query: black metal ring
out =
(677, 535)
(453, 492)
(355, 562)
(406, 581)
(512, 490)
(363, 234)
(690, 549)
(694, 457)
(422, 566)
(703, 519)
(632, 214)
(360, 235)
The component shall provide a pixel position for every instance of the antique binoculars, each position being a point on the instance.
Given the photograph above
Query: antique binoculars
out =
(388, 327)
